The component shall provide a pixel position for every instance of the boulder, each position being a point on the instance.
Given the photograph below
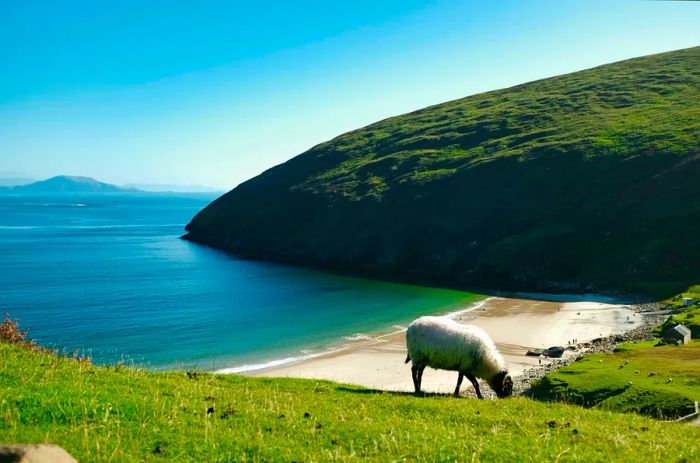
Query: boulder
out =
(554, 351)
(30, 453)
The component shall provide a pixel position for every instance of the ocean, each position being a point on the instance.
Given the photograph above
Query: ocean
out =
(109, 275)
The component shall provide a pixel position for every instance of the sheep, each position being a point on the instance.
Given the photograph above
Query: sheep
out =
(440, 342)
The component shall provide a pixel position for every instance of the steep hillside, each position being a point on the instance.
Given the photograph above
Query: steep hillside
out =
(582, 182)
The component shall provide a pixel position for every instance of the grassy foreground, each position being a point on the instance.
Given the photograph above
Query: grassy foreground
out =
(661, 382)
(123, 414)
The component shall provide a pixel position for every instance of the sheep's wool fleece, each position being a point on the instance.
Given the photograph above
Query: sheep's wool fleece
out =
(440, 342)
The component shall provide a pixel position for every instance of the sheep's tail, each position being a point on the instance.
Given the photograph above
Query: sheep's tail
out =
(408, 358)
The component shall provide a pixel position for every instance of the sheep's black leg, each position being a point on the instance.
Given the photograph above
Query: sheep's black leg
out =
(416, 380)
(459, 383)
(475, 383)
(419, 378)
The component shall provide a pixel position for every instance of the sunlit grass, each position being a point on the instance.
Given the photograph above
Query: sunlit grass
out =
(124, 414)
(658, 381)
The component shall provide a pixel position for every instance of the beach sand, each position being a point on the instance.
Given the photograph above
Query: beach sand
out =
(516, 325)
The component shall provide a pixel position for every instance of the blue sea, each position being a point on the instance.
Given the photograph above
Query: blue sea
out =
(110, 276)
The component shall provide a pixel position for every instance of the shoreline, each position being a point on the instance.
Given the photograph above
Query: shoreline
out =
(344, 343)
(516, 325)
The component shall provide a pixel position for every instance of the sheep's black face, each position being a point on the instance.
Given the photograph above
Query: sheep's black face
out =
(503, 385)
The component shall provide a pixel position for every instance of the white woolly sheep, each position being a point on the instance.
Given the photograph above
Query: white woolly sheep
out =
(442, 343)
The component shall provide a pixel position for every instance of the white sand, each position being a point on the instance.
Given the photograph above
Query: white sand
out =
(516, 325)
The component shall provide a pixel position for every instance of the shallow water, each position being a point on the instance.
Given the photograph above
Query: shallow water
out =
(109, 275)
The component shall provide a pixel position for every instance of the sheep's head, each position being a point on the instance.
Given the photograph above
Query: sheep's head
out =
(502, 384)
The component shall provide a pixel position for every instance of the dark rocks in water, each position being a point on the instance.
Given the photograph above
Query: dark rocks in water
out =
(534, 352)
(554, 351)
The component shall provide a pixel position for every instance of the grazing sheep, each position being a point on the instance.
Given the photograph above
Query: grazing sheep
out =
(440, 342)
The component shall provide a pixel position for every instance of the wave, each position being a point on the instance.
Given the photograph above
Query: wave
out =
(357, 337)
(475, 306)
(55, 204)
(264, 365)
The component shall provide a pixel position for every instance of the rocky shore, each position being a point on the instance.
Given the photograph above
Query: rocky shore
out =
(654, 314)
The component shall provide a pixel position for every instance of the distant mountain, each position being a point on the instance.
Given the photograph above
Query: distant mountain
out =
(585, 182)
(171, 188)
(64, 184)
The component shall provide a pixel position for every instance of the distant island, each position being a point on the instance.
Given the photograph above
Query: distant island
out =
(64, 184)
(67, 184)
(586, 182)
(172, 188)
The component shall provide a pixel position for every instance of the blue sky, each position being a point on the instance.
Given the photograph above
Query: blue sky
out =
(213, 93)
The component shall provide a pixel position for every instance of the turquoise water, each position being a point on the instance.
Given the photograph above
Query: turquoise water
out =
(109, 275)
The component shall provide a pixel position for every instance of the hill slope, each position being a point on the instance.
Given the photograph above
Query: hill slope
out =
(122, 414)
(661, 382)
(583, 182)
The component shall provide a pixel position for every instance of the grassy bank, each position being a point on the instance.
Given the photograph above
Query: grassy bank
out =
(661, 382)
(121, 414)
(687, 315)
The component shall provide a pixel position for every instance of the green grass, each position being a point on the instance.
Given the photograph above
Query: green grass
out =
(122, 414)
(585, 182)
(661, 382)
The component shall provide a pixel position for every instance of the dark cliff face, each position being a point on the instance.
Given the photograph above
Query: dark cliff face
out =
(584, 182)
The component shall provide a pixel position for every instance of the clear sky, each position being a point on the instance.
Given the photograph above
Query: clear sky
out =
(215, 92)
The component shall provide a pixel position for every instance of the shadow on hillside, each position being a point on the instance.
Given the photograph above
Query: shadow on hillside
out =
(392, 393)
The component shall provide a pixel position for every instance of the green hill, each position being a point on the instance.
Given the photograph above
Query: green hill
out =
(577, 183)
(102, 414)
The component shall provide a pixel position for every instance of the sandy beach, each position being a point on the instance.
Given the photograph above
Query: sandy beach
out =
(516, 325)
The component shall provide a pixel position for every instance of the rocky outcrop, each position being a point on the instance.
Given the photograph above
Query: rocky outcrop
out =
(554, 352)
(30, 453)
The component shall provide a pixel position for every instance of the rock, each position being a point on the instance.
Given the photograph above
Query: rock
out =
(534, 352)
(29, 453)
(554, 351)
